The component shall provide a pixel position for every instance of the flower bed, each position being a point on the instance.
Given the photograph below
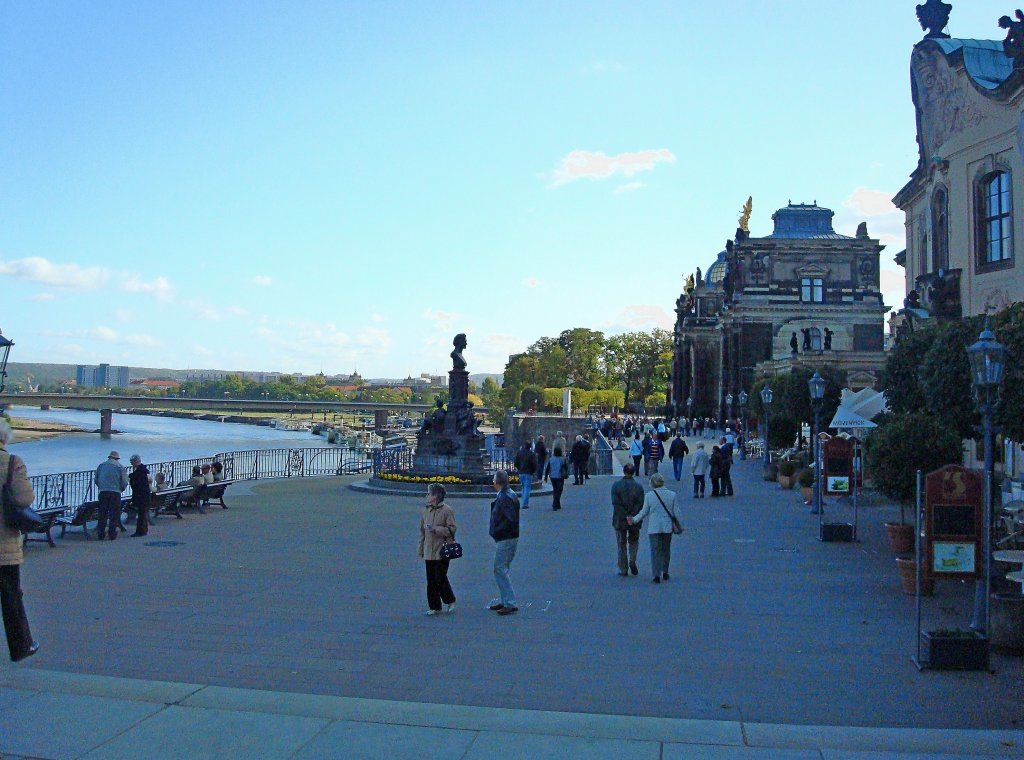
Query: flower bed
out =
(412, 477)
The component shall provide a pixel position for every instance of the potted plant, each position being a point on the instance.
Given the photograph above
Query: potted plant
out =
(771, 471)
(900, 535)
(907, 569)
(954, 649)
(787, 472)
(806, 480)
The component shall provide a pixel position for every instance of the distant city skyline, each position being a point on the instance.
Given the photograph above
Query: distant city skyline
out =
(339, 186)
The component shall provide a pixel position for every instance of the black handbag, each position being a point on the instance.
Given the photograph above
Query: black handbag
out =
(451, 550)
(24, 519)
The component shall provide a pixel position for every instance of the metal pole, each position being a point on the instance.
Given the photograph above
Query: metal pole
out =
(816, 450)
(767, 438)
(856, 460)
(917, 565)
(979, 617)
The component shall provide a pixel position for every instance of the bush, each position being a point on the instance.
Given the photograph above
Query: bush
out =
(907, 443)
(806, 479)
(787, 468)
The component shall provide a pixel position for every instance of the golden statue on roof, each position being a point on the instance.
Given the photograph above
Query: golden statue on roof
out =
(748, 207)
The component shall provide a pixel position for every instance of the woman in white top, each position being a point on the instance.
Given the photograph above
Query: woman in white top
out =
(658, 511)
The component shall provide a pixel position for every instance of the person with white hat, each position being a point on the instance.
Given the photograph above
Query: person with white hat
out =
(110, 480)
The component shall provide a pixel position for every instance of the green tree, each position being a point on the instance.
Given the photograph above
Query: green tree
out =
(531, 397)
(905, 443)
(639, 362)
(583, 349)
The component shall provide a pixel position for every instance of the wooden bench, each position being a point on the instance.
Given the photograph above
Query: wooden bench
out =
(169, 500)
(80, 516)
(211, 492)
(49, 518)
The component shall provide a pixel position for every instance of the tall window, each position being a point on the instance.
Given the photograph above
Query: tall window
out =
(815, 339)
(812, 290)
(940, 230)
(995, 220)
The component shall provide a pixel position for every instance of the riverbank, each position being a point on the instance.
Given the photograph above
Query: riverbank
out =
(27, 431)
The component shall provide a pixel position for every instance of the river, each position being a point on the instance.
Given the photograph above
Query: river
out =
(155, 439)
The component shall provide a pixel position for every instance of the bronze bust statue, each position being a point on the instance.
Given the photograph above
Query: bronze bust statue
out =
(458, 363)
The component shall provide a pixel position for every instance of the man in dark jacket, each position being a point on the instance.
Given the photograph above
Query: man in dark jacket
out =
(677, 452)
(139, 481)
(505, 532)
(578, 455)
(627, 500)
(526, 465)
(541, 450)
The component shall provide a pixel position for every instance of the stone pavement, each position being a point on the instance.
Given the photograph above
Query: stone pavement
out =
(303, 604)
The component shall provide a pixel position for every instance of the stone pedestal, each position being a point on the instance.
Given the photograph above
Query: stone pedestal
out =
(458, 388)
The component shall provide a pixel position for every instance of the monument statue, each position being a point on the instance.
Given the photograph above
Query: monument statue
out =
(1013, 45)
(689, 285)
(458, 363)
(934, 17)
(748, 207)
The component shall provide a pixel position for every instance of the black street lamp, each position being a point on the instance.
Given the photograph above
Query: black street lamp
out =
(816, 385)
(988, 360)
(728, 411)
(5, 351)
(766, 402)
(743, 424)
(689, 407)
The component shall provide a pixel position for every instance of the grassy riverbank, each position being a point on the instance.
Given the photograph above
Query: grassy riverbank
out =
(26, 431)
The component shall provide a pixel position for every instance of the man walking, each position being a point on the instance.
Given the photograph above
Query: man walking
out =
(541, 452)
(139, 480)
(526, 465)
(699, 467)
(505, 532)
(110, 480)
(677, 452)
(627, 500)
(578, 455)
(657, 452)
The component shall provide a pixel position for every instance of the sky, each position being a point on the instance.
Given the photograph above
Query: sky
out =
(339, 186)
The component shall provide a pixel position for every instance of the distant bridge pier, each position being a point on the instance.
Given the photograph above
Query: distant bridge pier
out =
(380, 420)
(106, 418)
(44, 407)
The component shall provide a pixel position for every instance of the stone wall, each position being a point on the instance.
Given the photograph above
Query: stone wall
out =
(520, 428)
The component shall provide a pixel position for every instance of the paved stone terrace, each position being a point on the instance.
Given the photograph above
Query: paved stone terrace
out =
(306, 586)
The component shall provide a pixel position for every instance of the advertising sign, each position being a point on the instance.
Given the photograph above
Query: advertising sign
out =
(953, 523)
(837, 462)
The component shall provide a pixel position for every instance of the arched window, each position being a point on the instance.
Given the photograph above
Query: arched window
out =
(940, 230)
(995, 219)
(815, 339)
(922, 256)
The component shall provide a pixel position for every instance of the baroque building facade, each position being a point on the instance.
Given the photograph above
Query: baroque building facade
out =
(804, 285)
(962, 224)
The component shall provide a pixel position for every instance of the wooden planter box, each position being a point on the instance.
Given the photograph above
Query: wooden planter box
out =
(836, 532)
(943, 652)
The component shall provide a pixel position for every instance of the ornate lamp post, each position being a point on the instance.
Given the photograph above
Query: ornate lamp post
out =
(5, 351)
(689, 407)
(728, 410)
(743, 423)
(816, 385)
(766, 402)
(988, 360)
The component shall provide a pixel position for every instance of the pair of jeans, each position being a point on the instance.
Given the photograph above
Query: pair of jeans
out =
(504, 553)
(716, 485)
(677, 468)
(627, 538)
(655, 464)
(698, 485)
(19, 637)
(141, 516)
(636, 464)
(526, 482)
(578, 472)
(438, 588)
(557, 484)
(726, 486)
(109, 518)
(661, 553)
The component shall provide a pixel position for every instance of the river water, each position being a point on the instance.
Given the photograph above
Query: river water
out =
(155, 439)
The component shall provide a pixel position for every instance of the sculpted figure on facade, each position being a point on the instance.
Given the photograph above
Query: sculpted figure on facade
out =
(934, 17)
(1013, 45)
(945, 104)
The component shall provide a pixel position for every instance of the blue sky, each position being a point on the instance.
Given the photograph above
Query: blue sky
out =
(304, 186)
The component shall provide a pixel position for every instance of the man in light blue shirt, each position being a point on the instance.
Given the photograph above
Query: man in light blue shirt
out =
(111, 480)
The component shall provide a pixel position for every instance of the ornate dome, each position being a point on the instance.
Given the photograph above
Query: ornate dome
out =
(716, 272)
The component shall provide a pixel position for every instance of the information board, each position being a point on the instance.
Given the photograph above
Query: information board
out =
(953, 523)
(837, 463)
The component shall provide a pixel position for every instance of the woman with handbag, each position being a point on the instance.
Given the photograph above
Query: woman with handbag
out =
(437, 528)
(557, 470)
(18, 491)
(659, 514)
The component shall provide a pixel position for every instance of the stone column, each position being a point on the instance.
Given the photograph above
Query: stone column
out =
(458, 388)
(106, 418)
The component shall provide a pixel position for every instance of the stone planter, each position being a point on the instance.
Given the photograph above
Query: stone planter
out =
(771, 472)
(807, 493)
(901, 538)
(838, 532)
(954, 650)
(908, 576)
(1006, 629)
(787, 481)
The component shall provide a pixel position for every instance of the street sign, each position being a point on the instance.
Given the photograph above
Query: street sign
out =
(837, 466)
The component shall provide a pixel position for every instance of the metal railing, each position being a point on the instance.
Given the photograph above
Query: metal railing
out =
(401, 460)
(70, 489)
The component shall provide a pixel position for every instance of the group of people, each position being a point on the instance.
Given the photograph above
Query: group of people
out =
(111, 479)
(621, 430)
(533, 462)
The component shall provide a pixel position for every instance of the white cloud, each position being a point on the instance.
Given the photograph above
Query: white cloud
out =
(204, 310)
(160, 288)
(585, 164)
(870, 203)
(640, 316)
(43, 271)
(42, 297)
(102, 333)
(532, 282)
(262, 280)
(124, 315)
(141, 339)
(629, 187)
(376, 338)
(442, 319)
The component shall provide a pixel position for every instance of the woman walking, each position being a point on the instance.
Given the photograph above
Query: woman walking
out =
(19, 637)
(657, 512)
(699, 466)
(636, 450)
(437, 527)
(557, 470)
(717, 466)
